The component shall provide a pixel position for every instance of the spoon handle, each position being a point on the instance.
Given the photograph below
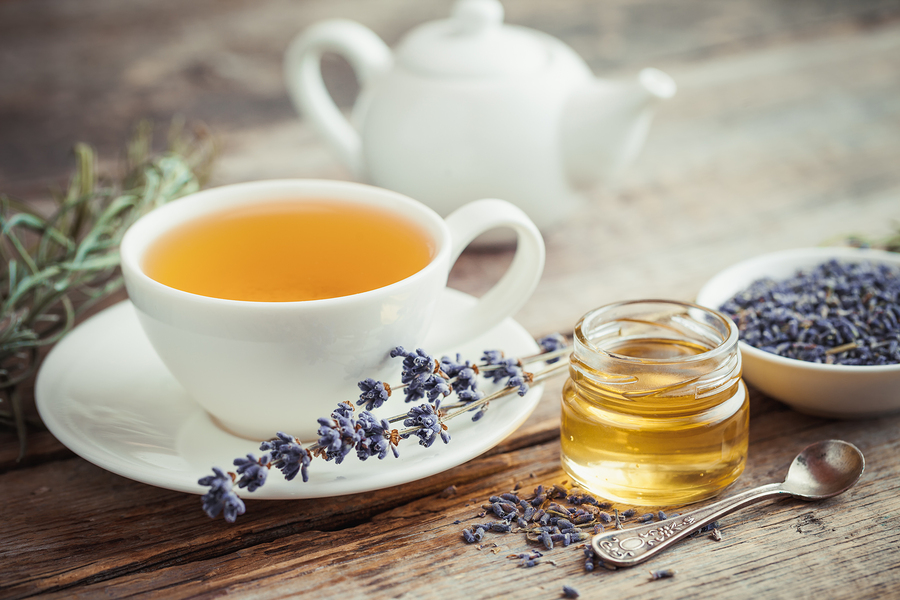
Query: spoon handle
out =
(629, 547)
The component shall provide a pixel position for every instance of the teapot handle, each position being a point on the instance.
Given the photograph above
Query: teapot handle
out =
(366, 53)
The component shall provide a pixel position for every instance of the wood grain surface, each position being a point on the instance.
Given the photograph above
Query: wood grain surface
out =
(785, 132)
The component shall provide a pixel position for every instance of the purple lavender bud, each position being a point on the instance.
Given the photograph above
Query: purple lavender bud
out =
(344, 410)
(253, 472)
(546, 541)
(560, 537)
(520, 382)
(582, 519)
(436, 387)
(661, 515)
(221, 497)
(604, 517)
(570, 592)
(469, 396)
(501, 527)
(508, 368)
(646, 518)
(492, 357)
(709, 527)
(468, 537)
(662, 574)
(466, 379)
(478, 534)
(374, 393)
(430, 426)
(288, 456)
(552, 343)
(629, 513)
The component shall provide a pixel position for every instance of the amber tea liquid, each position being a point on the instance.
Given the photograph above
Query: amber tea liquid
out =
(289, 251)
(644, 437)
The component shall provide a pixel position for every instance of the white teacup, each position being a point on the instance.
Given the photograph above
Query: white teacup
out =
(263, 367)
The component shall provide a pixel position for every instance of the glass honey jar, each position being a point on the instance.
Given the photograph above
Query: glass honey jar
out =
(655, 411)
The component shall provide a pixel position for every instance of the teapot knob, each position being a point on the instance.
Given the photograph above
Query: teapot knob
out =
(476, 15)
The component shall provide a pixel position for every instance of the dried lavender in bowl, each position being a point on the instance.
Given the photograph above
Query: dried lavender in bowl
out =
(836, 313)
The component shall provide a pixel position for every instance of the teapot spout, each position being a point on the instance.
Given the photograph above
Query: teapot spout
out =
(605, 123)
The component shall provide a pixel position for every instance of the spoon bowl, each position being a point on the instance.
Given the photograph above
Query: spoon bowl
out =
(824, 469)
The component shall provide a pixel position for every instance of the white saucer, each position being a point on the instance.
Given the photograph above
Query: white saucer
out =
(104, 393)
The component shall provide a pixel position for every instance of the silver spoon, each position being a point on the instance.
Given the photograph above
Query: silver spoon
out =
(822, 470)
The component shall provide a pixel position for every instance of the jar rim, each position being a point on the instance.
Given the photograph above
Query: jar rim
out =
(727, 344)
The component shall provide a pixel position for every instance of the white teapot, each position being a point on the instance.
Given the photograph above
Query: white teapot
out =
(468, 108)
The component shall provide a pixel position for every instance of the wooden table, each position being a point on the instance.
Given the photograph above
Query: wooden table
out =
(785, 133)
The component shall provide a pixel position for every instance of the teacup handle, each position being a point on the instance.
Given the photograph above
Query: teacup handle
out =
(515, 286)
(366, 53)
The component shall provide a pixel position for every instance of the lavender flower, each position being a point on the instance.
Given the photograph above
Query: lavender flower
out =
(375, 437)
(415, 364)
(288, 456)
(374, 393)
(429, 423)
(469, 396)
(339, 435)
(435, 387)
(506, 368)
(492, 357)
(454, 368)
(521, 382)
(253, 472)
(552, 343)
(419, 369)
(221, 496)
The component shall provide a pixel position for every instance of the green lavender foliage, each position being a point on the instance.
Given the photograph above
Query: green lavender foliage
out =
(57, 263)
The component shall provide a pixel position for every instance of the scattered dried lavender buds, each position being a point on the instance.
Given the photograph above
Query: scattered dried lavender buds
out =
(837, 313)
(570, 592)
(662, 574)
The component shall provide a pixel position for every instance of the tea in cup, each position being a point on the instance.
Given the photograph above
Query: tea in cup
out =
(268, 301)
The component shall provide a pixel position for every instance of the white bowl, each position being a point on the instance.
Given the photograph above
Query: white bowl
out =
(837, 391)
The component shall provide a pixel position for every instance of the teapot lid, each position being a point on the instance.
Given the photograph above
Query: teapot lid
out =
(472, 42)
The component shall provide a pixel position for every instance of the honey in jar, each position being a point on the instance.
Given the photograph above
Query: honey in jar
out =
(655, 411)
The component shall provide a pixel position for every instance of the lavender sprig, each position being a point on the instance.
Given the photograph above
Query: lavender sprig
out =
(340, 434)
